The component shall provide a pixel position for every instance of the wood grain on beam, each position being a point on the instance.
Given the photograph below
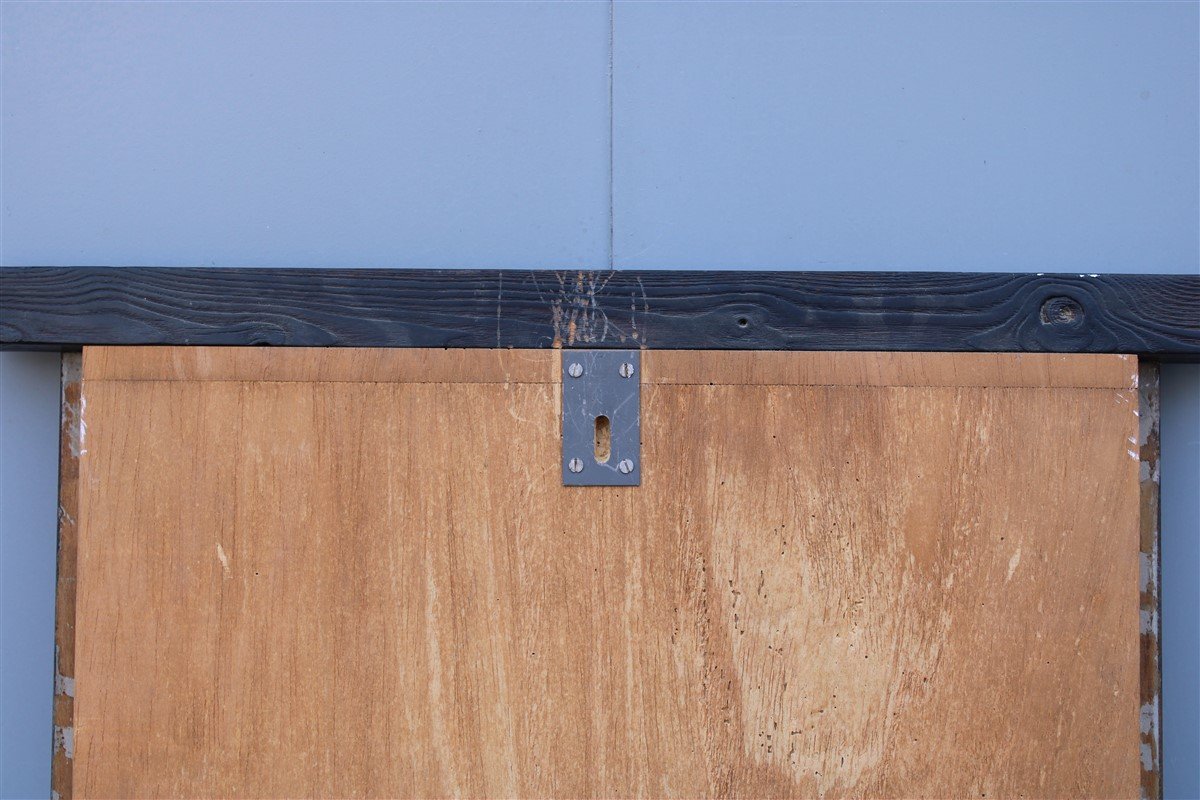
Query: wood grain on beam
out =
(67, 307)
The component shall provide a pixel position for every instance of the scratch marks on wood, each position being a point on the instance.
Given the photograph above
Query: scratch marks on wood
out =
(499, 306)
(224, 559)
(1013, 563)
(929, 311)
(579, 316)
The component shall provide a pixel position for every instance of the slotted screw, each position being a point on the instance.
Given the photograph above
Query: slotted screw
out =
(626, 370)
(575, 369)
(626, 466)
(575, 465)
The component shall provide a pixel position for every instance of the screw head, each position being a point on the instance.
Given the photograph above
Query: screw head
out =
(575, 465)
(575, 369)
(626, 370)
(626, 466)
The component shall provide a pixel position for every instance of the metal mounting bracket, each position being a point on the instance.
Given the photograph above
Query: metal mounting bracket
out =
(601, 418)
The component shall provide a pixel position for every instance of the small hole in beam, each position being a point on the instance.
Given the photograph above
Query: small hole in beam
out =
(1061, 311)
(603, 439)
(742, 322)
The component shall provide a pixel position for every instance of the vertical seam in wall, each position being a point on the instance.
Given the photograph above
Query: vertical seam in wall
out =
(611, 221)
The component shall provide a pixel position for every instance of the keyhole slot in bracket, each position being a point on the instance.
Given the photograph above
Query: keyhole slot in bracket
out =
(603, 439)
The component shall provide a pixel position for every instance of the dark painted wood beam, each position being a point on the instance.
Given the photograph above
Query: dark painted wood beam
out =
(66, 307)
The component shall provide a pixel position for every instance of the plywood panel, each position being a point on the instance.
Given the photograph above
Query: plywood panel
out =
(380, 588)
(704, 367)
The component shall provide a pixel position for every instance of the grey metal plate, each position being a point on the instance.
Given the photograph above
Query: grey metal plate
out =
(600, 390)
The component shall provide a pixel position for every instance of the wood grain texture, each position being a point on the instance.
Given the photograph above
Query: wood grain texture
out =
(702, 367)
(1151, 618)
(382, 589)
(321, 364)
(1155, 315)
(69, 449)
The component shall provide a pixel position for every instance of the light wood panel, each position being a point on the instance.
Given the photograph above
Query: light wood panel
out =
(380, 588)
(704, 367)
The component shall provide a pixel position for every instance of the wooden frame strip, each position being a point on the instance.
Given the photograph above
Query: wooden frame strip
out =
(68, 307)
(1151, 619)
(676, 367)
(69, 450)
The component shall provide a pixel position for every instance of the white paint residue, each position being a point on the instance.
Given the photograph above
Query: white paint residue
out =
(64, 741)
(75, 426)
(64, 685)
(223, 558)
(82, 425)
(1146, 571)
(1148, 719)
(1013, 563)
(1132, 455)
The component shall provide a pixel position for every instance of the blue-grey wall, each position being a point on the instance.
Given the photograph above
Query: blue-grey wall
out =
(29, 394)
(975, 136)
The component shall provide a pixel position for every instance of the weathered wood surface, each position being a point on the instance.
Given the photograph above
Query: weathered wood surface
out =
(967, 312)
(1151, 595)
(70, 447)
(351, 588)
